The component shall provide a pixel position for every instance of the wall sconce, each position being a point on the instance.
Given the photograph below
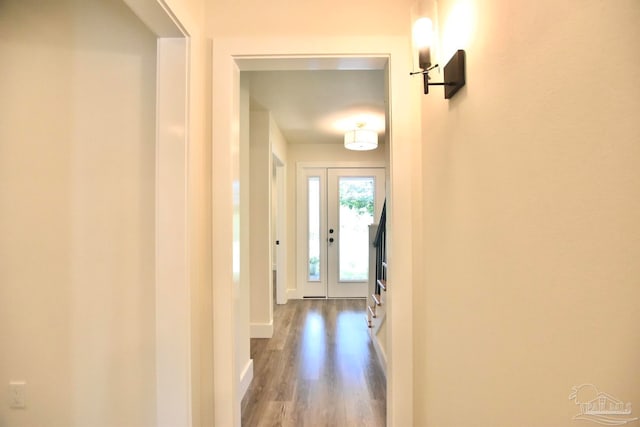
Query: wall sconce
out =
(454, 71)
(361, 139)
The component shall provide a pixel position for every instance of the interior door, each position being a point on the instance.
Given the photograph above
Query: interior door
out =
(336, 207)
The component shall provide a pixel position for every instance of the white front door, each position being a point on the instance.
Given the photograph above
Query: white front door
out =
(337, 206)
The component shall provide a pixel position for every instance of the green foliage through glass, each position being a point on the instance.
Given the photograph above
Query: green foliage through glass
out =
(357, 195)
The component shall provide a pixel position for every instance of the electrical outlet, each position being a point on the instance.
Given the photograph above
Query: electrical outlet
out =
(17, 395)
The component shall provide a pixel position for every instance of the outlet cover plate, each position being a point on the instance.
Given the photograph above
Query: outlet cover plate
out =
(17, 394)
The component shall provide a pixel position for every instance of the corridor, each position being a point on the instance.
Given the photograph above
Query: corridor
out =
(319, 369)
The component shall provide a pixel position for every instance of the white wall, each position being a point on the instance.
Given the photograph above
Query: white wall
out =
(242, 330)
(330, 17)
(266, 141)
(531, 207)
(279, 148)
(77, 213)
(279, 145)
(261, 316)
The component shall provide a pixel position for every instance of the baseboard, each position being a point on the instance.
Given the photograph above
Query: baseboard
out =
(261, 330)
(382, 356)
(246, 377)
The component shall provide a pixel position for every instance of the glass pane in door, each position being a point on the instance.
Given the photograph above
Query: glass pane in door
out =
(356, 205)
(313, 260)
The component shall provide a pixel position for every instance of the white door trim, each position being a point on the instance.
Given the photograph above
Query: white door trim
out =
(172, 287)
(173, 326)
(230, 54)
(281, 234)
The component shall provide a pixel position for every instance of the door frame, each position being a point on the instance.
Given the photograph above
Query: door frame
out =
(172, 286)
(281, 231)
(230, 55)
(301, 217)
(335, 287)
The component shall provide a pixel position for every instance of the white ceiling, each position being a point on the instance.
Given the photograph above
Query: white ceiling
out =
(319, 106)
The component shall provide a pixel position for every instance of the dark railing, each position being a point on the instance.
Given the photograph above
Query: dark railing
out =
(380, 243)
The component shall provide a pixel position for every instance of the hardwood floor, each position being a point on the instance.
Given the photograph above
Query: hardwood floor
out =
(319, 369)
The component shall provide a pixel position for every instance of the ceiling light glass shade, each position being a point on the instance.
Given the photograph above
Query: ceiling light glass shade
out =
(361, 140)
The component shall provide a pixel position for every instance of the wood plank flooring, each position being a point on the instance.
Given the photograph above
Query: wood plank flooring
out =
(319, 369)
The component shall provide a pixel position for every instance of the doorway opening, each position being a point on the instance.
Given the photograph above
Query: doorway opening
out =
(299, 116)
(277, 147)
(231, 56)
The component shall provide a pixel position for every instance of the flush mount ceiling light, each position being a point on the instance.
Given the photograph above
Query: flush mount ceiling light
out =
(454, 71)
(361, 139)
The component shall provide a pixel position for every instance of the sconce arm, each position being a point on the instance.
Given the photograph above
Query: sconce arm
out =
(454, 75)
